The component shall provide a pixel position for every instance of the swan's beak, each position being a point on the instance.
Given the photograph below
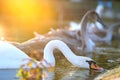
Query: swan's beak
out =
(96, 67)
(100, 21)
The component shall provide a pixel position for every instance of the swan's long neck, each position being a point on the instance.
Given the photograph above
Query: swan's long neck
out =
(48, 52)
(86, 41)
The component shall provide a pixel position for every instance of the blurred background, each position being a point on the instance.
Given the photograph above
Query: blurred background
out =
(19, 19)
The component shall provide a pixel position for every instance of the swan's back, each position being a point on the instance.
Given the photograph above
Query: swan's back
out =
(10, 56)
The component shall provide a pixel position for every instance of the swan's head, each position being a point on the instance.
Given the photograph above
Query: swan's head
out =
(92, 16)
(86, 62)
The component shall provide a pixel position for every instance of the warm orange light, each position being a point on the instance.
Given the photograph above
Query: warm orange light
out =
(1, 32)
(23, 9)
(28, 14)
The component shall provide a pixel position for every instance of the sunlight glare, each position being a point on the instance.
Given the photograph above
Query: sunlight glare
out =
(1, 32)
(28, 14)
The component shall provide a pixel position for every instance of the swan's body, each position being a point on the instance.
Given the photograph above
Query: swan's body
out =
(12, 57)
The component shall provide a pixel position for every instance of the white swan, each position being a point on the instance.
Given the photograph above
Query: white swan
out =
(12, 57)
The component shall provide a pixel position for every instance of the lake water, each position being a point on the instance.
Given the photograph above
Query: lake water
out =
(8, 74)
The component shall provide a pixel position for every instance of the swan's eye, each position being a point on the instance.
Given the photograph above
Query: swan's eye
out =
(91, 62)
